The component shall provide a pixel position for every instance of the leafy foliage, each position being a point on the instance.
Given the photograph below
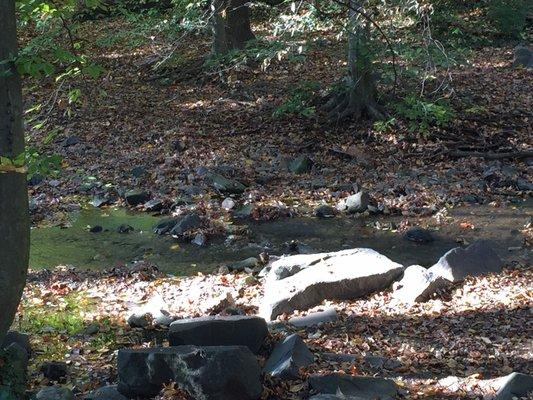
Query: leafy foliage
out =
(509, 16)
(300, 101)
(421, 114)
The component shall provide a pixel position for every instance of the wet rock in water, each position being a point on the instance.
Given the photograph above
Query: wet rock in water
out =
(54, 370)
(477, 259)
(226, 185)
(418, 235)
(361, 387)
(71, 141)
(199, 240)
(96, 229)
(303, 281)
(324, 211)
(295, 247)
(315, 318)
(54, 393)
(99, 202)
(139, 319)
(515, 385)
(418, 285)
(138, 171)
(355, 203)
(210, 373)
(106, 393)
(301, 165)
(228, 204)
(244, 212)
(22, 339)
(239, 266)
(125, 228)
(136, 197)
(153, 205)
(288, 356)
(219, 331)
(165, 225)
(187, 223)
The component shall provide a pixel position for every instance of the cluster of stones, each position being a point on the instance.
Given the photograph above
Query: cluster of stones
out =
(216, 357)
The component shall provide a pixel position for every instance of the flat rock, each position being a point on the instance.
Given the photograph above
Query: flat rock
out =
(106, 393)
(234, 330)
(207, 373)
(305, 280)
(418, 285)
(153, 205)
(250, 263)
(477, 259)
(225, 185)
(515, 385)
(187, 223)
(288, 356)
(315, 318)
(363, 387)
(54, 393)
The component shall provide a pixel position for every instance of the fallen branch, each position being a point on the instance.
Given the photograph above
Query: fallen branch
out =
(492, 156)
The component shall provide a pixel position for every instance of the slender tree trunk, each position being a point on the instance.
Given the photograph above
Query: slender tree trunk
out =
(231, 25)
(357, 97)
(14, 215)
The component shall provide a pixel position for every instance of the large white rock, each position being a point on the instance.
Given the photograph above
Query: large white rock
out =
(305, 280)
(417, 285)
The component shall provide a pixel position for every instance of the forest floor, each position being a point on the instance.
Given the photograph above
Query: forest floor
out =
(176, 123)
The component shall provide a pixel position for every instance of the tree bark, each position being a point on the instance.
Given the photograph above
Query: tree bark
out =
(14, 215)
(357, 97)
(231, 25)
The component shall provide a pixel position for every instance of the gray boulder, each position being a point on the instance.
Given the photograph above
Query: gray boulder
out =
(418, 235)
(54, 393)
(315, 318)
(187, 223)
(477, 259)
(324, 211)
(305, 280)
(288, 357)
(165, 225)
(355, 203)
(208, 373)
(418, 284)
(515, 385)
(233, 330)
(54, 370)
(106, 393)
(22, 339)
(239, 266)
(361, 387)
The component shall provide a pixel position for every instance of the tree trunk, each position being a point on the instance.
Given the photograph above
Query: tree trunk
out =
(231, 25)
(14, 215)
(357, 96)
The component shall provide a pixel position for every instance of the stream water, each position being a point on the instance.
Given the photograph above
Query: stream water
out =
(76, 246)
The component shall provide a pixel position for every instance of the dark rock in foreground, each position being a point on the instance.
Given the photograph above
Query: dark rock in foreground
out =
(235, 330)
(165, 225)
(22, 339)
(303, 281)
(288, 357)
(361, 387)
(418, 284)
(210, 373)
(187, 223)
(324, 211)
(515, 385)
(477, 259)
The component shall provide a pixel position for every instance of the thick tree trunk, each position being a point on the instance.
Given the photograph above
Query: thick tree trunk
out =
(14, 216)
(357, 97)
(231, 25)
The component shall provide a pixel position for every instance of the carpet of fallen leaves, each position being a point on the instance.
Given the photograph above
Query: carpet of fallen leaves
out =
(175, 126)
(455, 346)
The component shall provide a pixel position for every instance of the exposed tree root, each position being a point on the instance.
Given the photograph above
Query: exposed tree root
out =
(352, 103)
